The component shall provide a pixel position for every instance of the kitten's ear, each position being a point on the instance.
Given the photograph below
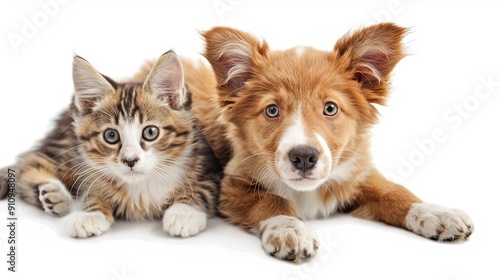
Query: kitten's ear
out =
(166, 81)
(232, 53)
(90, 85)
(368, 55)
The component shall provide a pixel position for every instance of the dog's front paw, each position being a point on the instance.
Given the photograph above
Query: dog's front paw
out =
(184, 220)
(438, 222)
(86, 224)
(288, 238)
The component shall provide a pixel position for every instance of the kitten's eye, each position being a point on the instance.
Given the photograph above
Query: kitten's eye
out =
(111, 136)
(150, 133)
(330, 109)
(272, 111)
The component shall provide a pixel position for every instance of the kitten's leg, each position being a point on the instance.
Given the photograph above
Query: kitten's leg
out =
(4, 184)
(282, 234)
(38, 184)
(395, 205)
(187, 215)
(184, 220)
(96, 218)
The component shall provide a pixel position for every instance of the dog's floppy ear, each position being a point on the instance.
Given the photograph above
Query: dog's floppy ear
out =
(232, 53)
(368, 56)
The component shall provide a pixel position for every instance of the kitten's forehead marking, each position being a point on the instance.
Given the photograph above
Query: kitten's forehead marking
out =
(128, 106)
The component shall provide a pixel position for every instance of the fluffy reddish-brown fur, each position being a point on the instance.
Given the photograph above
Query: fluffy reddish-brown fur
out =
(267, 188)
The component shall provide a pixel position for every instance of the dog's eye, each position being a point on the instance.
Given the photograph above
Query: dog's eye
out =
(330, 109)
(272, 111)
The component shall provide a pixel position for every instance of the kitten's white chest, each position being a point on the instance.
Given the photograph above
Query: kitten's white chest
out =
(147, 198)
(149, 192)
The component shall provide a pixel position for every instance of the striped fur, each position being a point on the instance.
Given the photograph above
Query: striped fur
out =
(176, 167)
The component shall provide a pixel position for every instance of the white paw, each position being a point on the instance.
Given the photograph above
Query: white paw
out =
(54, 197)
(439, 223)
(288, 238)
(184, 220)
(86, 224)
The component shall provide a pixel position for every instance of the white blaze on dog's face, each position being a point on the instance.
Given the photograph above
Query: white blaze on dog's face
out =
(297, 114)
(303, 159)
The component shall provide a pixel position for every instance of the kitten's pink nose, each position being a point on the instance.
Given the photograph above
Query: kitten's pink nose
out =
(130, 162)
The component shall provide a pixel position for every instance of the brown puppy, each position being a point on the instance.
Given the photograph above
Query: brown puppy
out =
(298, 125)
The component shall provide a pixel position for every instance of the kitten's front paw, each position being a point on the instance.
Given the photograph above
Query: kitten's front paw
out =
(439, 223)
(54, 197)
(184, 220)
(288, 238)
(86, 224)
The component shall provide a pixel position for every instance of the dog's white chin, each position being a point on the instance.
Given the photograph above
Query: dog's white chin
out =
(295, 181)
(304, 185)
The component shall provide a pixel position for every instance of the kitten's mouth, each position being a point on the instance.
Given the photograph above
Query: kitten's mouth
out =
(133, 172)
(132, 176)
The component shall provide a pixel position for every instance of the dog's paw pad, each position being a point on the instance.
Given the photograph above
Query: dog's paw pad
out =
(86, 224)
(288, 238)
(54, 197)
(184, 220)
(439, 223)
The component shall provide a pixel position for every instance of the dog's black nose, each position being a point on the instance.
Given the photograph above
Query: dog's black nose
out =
(303, 157)
(130, 162)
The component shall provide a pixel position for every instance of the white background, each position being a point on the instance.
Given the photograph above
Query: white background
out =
(453, 47)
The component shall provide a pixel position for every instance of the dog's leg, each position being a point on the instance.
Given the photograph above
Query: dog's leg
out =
(393, 204)
(283, 235)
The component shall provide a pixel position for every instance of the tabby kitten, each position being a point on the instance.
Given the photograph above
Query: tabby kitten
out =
(134, 152)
